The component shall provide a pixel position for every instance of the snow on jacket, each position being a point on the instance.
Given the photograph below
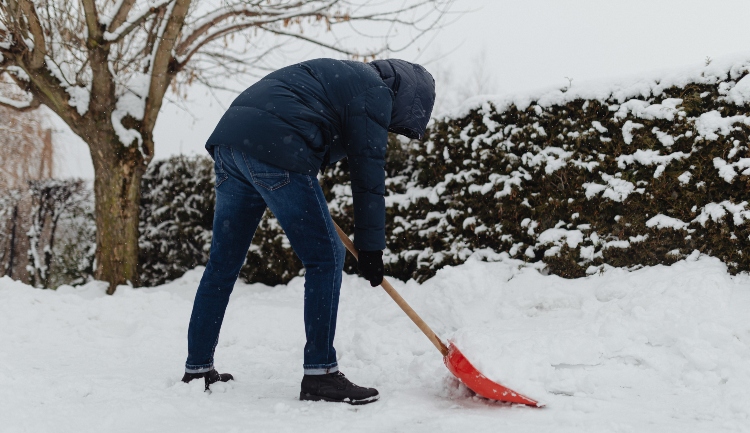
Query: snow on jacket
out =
(306, 116)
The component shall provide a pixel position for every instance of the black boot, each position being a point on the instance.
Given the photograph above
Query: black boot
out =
(337, 388)
(211, 376)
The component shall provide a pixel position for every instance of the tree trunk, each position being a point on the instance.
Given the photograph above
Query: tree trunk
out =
(118, 194)
(11, 262)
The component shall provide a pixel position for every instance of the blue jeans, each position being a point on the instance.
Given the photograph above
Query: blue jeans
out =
(244, 187)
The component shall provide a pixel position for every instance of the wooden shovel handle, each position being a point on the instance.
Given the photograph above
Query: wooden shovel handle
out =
(397, 297)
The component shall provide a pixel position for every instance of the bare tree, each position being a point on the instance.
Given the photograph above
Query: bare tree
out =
(105, 66)
(13, 242)
(26, 151)
(26, 154)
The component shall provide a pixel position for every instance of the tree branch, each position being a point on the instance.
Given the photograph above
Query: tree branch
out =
(48, 90)
(127, 27)
(92, 19)
(163, 66)
(212, 20)
(212, 37)
(11, 14)
(321, 43)
(389, 13)
(152, 36)
(36, 57)
(205, 27)
(122, 14)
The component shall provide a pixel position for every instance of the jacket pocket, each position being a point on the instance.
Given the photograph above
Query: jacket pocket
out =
(266, 175)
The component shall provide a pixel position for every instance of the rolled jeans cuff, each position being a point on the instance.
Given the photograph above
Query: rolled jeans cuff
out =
(198, 368)
(315, 370)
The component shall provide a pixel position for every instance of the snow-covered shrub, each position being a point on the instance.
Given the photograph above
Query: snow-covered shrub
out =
(75, 238)
(177, 211)
(270, 259)
(60, 256)
(622, 175)
(47, 232)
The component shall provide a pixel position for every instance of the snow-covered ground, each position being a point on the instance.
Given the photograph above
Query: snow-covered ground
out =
(661, 349)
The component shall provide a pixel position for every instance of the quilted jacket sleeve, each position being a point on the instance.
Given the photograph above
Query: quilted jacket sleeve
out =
(366, 137)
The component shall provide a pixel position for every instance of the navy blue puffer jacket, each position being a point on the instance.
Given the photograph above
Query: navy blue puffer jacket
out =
(305, 116)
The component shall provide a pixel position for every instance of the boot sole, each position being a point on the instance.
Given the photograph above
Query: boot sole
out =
(310, 397)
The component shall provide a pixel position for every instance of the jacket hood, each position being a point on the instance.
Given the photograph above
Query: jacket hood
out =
(414, 90)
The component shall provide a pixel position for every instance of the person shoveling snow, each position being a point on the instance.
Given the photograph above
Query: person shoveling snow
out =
(267, 149)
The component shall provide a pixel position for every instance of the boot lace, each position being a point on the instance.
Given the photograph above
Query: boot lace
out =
(341, 379)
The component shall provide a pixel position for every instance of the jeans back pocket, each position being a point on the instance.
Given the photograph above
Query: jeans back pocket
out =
(266, 175)
(221, 175)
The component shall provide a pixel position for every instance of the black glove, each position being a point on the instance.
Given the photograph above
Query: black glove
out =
(370, 265)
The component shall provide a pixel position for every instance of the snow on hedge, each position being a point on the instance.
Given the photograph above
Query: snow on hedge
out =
(657, 349)
(638, 171)
(626, 174)
(729, 73)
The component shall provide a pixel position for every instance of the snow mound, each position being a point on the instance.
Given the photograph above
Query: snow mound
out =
(656, 349)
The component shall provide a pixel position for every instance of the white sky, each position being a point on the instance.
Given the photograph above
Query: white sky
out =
(507, 46)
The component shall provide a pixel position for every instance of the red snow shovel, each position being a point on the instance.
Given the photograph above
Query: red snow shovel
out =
(452, 357)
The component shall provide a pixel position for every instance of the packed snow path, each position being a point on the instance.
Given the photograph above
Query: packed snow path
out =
(662, 349)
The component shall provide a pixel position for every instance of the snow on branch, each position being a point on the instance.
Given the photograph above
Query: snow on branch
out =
(27, 105)
(131, 104)
(57, 72)
(121, 10)
(80, 97)
(17, 72)
(129, 25)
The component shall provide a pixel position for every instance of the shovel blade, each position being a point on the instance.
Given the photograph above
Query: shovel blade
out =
(479, 383)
